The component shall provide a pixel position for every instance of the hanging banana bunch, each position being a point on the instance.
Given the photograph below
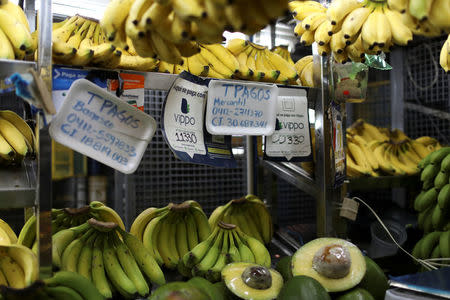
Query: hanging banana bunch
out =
(168, 28)
(349, 29)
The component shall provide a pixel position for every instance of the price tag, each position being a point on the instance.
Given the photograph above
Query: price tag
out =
(241, 108)
(183, 117)
(292, 134)
(183, 124)
(103, 127)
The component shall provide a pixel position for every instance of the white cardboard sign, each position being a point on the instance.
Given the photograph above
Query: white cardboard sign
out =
(241, 108)
(292, 139)
(183, 117)
(103, 127)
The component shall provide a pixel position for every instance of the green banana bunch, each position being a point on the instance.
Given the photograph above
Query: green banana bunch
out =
(170, 232)
(225, 245)
(95, 251)
(249, 213)
(66, 218)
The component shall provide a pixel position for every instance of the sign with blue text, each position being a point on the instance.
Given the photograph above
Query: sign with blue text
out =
(241, 108)
(103, 127)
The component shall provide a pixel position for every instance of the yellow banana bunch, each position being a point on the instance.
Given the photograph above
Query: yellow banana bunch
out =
(16, 41)
(170, 232)
(16, 139)
(379, 151)
(166, 25)
(18, 266)
(304, 67)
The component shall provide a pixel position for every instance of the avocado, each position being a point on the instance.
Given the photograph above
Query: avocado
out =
(356, 294)
(284, 267)
(207, 287)
(303, 288)
(178, 290)
(252, 281)
(336, 264)
(374, 281)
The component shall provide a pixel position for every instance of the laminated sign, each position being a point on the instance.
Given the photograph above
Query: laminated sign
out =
(241, 108)
(291, 140)
(103, 127)
(183, 124)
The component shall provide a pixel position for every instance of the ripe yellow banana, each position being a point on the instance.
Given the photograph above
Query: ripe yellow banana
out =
(322, 34)
(224, 55)
(154, 16)
(14, 137)
(307, 38)
(196, 67)
(313, 21)
(236, 46)
(354, 21)
(114, 18)
(338, 9)
(337, 42)
(17, 33)
(188, 9)
(307, 75)
(165, 50)
(6, 49)
(216, 64)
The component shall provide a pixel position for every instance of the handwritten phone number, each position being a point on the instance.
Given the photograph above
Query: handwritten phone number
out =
(281, 139)
(221, 121)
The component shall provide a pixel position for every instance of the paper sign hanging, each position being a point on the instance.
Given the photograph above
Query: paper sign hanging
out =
(291, 138)
(183, 125)
(102, 127)
(240, 108)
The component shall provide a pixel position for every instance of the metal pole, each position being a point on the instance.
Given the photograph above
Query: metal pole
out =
(323, 170)
(44, 188)
(250, 157)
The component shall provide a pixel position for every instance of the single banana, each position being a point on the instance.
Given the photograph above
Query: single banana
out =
(144, 258)
(314, 20)
(6, 48)
(14, 137)
(196, 67)
(261, 254)
(17, 33)
(233, 251)
(338, 9)
(154, 16)
(188, 9)
(337, 42)
(444, 197)
(420, 9)
(439, 14)
(166, 51)
(13, 272)
(236, 46)
(307, 38)
(354, 21)
(444, 243)
(114, 17)
(398, 5)
(84, 265)
(76, 282)
(322, 34)
(181, 236)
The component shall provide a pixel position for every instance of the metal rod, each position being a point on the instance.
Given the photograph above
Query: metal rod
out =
(250, 161)
(44, 201)
(44, 187)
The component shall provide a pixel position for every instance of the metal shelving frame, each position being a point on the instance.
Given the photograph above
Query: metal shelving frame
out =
(30, 185)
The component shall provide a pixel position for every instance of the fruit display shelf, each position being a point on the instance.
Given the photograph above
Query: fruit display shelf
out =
(382, 182)
(9, 66)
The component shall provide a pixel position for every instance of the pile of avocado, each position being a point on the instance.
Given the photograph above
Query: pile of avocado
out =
(325, 268)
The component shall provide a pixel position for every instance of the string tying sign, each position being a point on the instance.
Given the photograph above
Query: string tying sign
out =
(241, 108)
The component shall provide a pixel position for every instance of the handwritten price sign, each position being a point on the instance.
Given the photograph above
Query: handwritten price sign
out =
(103, 127)
(241, 108)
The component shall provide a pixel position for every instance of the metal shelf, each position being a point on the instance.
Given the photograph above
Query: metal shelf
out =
(382, 182)
(18, 186)
(9, 66)
(294, 175)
